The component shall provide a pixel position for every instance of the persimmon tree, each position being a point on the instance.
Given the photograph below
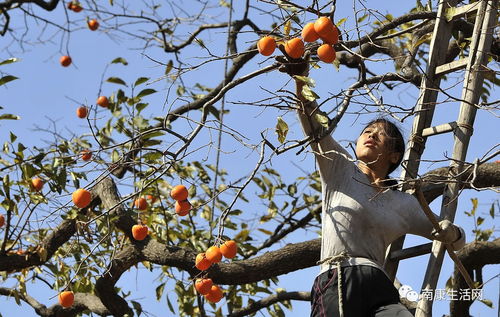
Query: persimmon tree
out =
(142, 150)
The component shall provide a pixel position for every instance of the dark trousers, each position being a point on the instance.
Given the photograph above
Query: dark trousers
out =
(366, 292)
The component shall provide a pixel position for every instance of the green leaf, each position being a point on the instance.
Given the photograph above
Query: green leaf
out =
(422, 40)
(8, 116)
(449, 13)
(140, 106)
(115, 157)
(6, 185)
(214, 111)
(287, 27)
(420, 7)
(341, 21)
(42, 253)
(223, 3)
(146, 92)
(309, 81)
(29, 171)
(21, 147)
(119, 60)
(9, 61)
(487, 302)
(116, 80)
(6, 79)
(336, 63)
(242, 235)
(141, 80)
(474, 206)
(180, 90)
(479, 221)
(169, 67)
(309, 94)
(170, 306)
(137, 307)
(265, 231)
(159, 291)
(322, 119)
(281, 129)
(492, 211)
(362, 18)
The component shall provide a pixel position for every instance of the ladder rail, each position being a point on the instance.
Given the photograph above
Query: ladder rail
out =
(424, 111)
(470, 96)
(462, 128)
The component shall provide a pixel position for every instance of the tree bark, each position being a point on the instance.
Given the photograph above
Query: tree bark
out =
(474, 257)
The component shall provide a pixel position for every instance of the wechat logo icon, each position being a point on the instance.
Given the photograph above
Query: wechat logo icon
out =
(407, 292)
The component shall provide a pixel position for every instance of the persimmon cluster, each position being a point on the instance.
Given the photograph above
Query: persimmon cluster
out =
(204, 260)
(323, 28)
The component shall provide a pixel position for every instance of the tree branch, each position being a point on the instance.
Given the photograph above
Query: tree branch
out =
(49, 5)
(487, 175)
(268, 301)
(51, 243)
(83, 302)
(474, 256)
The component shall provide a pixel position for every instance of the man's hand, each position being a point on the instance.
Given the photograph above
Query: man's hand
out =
(293, 66)
(449, 233)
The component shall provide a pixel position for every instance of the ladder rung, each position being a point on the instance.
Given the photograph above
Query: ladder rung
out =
(438, 129)
(411, 252)
(458, 12)
(452, 66)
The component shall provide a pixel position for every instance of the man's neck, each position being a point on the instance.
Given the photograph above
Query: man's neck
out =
(374, 174)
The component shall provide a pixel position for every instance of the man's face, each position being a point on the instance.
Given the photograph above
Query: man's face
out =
(373, 146)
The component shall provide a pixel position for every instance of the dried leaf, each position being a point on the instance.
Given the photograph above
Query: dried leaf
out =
(281, 129)
(9, 61)
(287, 27)
(169, 67)
(322, 119)
(307, 80)
(309, 94)
(474, 206)
(450, 13)
(119, 60)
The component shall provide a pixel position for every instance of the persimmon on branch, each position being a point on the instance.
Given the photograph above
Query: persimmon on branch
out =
(83, 302)
(300, 255)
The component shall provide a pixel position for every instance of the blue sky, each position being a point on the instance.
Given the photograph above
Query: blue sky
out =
(47, 92)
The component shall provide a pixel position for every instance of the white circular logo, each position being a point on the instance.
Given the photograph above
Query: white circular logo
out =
(412, 296)
(404, 289)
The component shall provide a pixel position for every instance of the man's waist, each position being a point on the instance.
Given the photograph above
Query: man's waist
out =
(351, 261)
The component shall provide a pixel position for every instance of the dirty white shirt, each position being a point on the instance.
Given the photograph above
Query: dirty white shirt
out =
(356, 218)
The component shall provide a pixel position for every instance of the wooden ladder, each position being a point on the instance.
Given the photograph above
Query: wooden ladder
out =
(474, 65)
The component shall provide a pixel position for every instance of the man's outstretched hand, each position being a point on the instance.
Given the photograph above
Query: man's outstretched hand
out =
(293, 66)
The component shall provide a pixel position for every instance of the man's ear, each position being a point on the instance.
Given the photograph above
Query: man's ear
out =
(394, 157)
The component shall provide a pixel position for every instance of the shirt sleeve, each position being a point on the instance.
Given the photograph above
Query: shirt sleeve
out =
(420, 225)
(330, 155)
(460, 243)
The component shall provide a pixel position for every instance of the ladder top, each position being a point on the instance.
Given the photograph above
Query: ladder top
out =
(453, 13)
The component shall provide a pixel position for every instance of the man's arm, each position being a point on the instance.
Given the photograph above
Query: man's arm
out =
(329, 154)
